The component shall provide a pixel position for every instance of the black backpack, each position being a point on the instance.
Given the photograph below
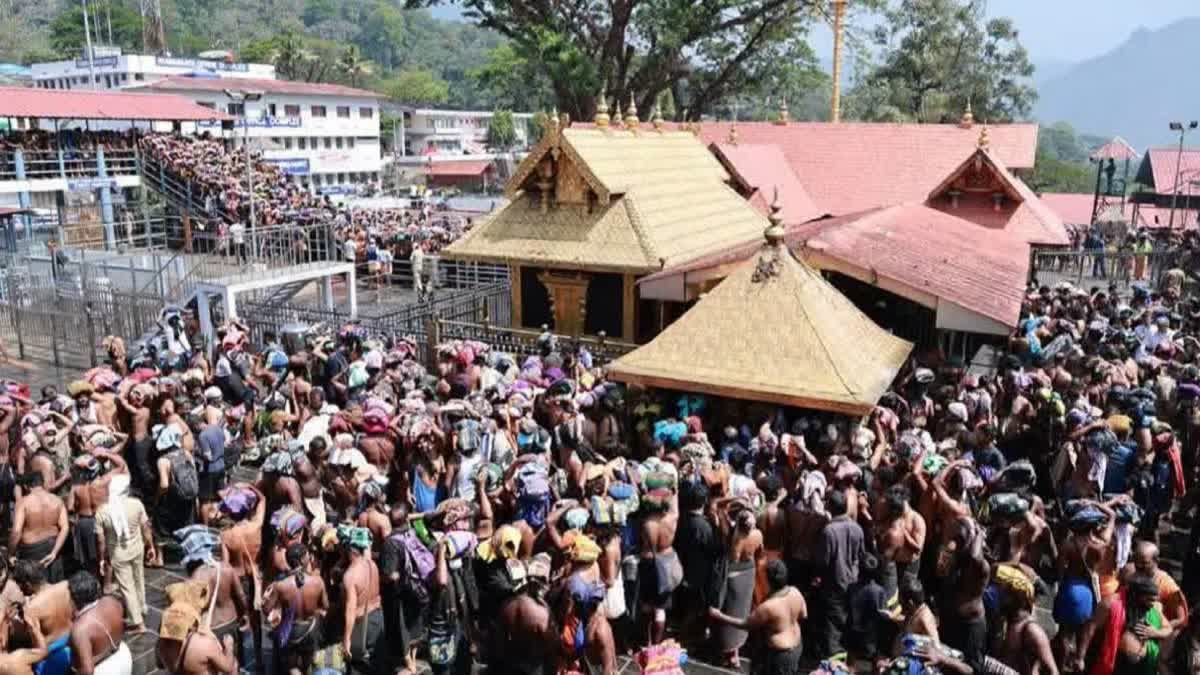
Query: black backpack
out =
(185, 483)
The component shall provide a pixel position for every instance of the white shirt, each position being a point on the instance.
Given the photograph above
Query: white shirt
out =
(350, 250)
(238, 232)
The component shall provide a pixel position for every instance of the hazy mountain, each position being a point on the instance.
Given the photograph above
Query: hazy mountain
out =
(1134, 90)
(1048, 69)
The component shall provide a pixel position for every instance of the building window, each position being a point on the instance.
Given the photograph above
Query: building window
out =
(366, 112)
(291, 110)
(287, 143)
(207, 104)
(328, 142)
(235, 109)
(108, 81)
(124, 77)
(341, 178)
(139, 77)
(318, 111)
(338, 142)
(271, 109)
(302, 143)
(349, 141)
(343, 111)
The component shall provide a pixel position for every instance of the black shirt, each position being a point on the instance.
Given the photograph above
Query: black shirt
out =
(697, 545)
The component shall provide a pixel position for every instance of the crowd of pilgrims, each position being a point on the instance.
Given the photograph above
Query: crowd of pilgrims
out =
(218, 176)
(40, 150)
(526, 513)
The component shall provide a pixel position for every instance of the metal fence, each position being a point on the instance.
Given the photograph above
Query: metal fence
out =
(1102, 268)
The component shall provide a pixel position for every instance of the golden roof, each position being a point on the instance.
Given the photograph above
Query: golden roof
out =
(654, 199)
(774, 330)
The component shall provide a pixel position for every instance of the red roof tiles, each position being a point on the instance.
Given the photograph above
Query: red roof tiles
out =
(1117, 148)
(1076, 209)
(761, 169)
(1158, 169)
(459, 168)
(100, 105)
(188, 84)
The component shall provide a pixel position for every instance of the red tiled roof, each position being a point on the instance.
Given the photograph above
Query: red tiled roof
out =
(935, 252)
(1158, 169)
(1117, 148)
(181, 84)
(1076, 209)
(856, 166)
(100, 105)
(1072, 208)
(761, 169)
(456, 168)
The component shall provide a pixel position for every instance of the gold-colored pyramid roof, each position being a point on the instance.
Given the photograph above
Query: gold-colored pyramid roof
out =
(774, 330)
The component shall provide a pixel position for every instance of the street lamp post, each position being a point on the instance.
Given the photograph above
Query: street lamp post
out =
(244, 97)
(1178, 126)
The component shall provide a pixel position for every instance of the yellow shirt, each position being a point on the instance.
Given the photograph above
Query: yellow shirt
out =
(130, 546)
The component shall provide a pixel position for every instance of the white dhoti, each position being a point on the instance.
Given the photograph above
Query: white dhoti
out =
(316, 511)
(614, 597)
(119, 662)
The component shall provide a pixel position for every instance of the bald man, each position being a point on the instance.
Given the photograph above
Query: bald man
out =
(1144, 559)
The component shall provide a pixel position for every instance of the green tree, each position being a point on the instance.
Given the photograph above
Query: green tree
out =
(511, 81)
(354, 66)
(537, 126)
(936, 56)
(66, 30)
(501, 131)
(704, 52)
(416, 86)
(1051, 174)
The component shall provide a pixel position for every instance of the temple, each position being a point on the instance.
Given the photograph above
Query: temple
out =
(593, 209)
(774, 331)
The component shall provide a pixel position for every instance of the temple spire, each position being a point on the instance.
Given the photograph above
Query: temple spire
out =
(968, 117)
(656, 117)
(631, 115)
(602, 117)
(984, 141)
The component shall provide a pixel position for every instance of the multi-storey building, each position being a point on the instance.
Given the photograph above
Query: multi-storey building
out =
(114, 69)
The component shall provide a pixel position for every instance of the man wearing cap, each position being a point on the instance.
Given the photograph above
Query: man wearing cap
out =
(125, 540)
(87, 495)
(178, 481)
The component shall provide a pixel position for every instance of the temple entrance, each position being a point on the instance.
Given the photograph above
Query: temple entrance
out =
(604, 306)
(903, 317)
(534, 309)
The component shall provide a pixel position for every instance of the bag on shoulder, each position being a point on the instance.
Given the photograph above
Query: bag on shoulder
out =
(185, 483)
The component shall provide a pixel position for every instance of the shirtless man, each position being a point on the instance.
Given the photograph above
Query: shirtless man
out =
(85, 498)
(527, 636)
(96, 645)
(278, 484)
(232, 607)
(374, 513)
(778, 617)
(364, 617)
(49, 604)
(1145, 561)
(21, 661)
(1079, 558)
(307, 467)
(773, 523)
(901, 537)
(1026, 647)
(964, 573)
(657, 535)
(243, 543)
(145, 477)
(40, 527)
(806, 519)
(300, 595)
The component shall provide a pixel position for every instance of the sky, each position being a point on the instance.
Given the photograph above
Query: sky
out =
(1096, 26)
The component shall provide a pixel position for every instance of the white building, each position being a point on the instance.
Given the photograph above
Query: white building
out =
(325, 136)
(427, 131)
(115, 69)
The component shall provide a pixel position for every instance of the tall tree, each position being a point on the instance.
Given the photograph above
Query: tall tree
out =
(354, 66)
(501, 131)
(416, 86)
(66, 31)
(936, 56)
(702, 51)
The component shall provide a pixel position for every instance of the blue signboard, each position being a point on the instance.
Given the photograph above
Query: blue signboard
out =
(297, 166)
(173, 62)
(91, 184)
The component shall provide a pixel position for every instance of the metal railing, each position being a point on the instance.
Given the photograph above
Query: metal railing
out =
(524, 342)
(68, 164)
(1101, 268)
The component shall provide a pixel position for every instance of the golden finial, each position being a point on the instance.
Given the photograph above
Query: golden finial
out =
(602, 117)
(631, 115)
(784, 117)
(776, 210)
(553, 121)
(732, 140)
(984, 141)
(656, 117)
(968, 117)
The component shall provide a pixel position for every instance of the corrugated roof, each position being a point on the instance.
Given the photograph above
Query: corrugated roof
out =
(1158, 169)
(671, 190)
(100, 105)
(181, 83)
(934, 252)
(773, 331)
(762, 169)
(456, 168)
(1117, 148)
(1076, 209)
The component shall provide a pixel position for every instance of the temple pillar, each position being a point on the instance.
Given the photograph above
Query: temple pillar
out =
(514, 284)
(568, 300)
(629, 308)
(23, 198)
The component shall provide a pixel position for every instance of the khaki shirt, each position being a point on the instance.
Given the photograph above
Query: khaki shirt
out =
(131, 546)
